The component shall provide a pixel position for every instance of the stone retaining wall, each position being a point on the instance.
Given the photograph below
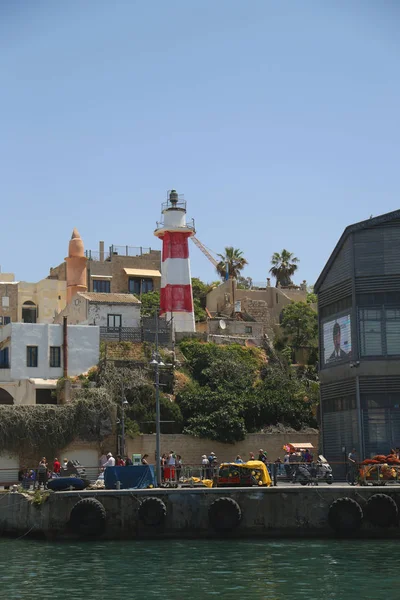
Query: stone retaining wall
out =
(191, 448)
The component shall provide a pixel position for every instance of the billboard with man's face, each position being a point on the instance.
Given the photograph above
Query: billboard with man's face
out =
(337, 339)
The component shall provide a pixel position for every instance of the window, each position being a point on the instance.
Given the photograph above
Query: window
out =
(371, 332)
(6, 320)
(140, 286)
(248, 329)
(392, 331)
(31, 356)
(29, 312)
(55, 356)
(101, 285)
(114, 321)
(4, 361)
(380, 331)
(339, 404)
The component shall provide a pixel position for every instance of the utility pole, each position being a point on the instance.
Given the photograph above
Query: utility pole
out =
(122, 421)
(157, 385)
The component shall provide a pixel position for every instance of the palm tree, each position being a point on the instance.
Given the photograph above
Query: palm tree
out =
(284, 265)
(233, 260)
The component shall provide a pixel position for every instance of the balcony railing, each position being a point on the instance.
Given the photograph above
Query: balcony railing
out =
(181, 204)
(95, 255)
(145, 333)
(121, 334)
(117, 251)
(189, 224)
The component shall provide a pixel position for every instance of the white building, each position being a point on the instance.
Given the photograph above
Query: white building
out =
(109, 310)
(31, 359)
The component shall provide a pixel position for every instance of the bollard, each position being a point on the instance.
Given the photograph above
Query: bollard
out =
(118, 485)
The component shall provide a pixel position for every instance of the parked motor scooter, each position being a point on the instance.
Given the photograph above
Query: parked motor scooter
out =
(309, 473)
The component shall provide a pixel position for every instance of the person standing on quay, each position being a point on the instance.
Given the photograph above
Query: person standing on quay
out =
(42, 473)
(56, 467)
(110, 461)
(205, 464)
(353, 463)
(170, 470)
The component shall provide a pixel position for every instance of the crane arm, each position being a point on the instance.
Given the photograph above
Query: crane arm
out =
(205, 251)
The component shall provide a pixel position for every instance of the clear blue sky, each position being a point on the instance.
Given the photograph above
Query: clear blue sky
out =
(278, 120)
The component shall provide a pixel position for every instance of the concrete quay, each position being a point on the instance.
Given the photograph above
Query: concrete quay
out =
(285, 511)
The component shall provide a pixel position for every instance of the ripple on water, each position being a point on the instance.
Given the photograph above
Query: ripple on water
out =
(194, 570)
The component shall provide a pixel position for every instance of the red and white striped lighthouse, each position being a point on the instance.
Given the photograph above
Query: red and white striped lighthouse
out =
(176, 297)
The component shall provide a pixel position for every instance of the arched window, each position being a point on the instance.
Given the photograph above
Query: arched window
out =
(5, 397)
(29, 312)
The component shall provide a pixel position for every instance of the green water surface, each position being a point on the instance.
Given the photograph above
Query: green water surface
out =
(190, 570)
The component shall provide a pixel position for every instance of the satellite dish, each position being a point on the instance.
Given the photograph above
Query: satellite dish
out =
(222, 324)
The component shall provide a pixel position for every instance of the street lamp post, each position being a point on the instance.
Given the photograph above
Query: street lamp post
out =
(158, 456)
(157, 363)
(124, 403)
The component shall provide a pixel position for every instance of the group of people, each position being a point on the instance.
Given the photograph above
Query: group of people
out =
(293, 458)
(262, 456)
(40, 476)
(108, 460)
(171, 466)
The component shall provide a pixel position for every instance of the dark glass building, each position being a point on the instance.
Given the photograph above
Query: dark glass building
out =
(359, 338)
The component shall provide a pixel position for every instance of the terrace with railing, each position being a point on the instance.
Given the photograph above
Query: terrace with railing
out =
(116, 251)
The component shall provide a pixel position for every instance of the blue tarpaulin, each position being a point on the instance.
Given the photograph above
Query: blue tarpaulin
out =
(129, 477)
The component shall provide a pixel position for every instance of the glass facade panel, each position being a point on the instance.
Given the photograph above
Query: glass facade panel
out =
(370, 332)
(340, 436)
(393, 331)
(381, 422)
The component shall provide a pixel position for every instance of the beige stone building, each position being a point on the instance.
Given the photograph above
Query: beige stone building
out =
(261, 304)
(235, 331)
(21, 301)
(121, 269)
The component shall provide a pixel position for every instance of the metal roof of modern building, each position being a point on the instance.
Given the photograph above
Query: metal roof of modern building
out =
(369, 223)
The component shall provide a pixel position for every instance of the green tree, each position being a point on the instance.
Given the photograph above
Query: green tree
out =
(200, 357)
(200, 291)
(200, 314)
(284, 265)
(229, 374)
(138, 389)
(244, 283)
(312, 298)
(223, 425)
(234, 260)
(278, 398)
(150, 303)
(300, 325)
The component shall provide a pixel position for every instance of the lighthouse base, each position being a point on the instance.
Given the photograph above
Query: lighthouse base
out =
(183, 322)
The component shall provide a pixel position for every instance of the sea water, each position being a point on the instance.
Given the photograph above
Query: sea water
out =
(190, 570)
